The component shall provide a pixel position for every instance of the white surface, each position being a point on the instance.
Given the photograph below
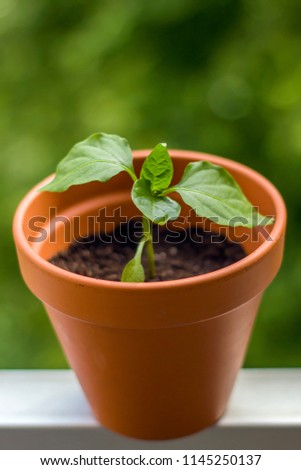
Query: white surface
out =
(45, 398)
(47, 409)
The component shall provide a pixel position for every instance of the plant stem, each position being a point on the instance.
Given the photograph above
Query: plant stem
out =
(132, 174)
(149, 247)
(139, 251)
(172, 189)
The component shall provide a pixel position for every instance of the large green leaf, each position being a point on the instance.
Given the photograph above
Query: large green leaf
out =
(97, 158)
(159, 209)
(213, 193)
(158, 168)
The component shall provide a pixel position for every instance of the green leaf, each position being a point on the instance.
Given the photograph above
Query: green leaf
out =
(158, 168)
(97, 158)
(134, 271)
(159, 209)
(213, 193)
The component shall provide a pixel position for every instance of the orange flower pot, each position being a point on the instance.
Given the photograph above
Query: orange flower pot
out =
(155, 360)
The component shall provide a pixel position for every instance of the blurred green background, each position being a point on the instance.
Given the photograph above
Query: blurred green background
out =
(219, 76)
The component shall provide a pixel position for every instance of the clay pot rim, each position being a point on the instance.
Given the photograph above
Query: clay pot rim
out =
(228, 271)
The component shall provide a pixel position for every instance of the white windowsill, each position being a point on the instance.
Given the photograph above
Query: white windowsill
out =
(47, 410)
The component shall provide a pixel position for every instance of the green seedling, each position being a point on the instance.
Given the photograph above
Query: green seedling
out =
(208, 189)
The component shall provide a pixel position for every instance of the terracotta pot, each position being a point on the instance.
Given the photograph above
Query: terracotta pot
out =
(157, 360)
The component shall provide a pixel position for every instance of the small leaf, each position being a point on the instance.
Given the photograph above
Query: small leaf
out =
(134, 271)
(159, 209)
(158, 168)
(213, 193)
(97, 158)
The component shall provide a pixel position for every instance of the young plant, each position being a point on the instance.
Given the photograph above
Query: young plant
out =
(208, 189)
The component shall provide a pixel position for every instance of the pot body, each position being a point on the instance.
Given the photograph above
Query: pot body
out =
(157, 383)
(158, 360)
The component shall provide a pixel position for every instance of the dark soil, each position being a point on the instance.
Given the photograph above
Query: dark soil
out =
(178, 254)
